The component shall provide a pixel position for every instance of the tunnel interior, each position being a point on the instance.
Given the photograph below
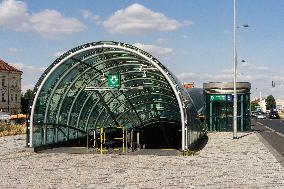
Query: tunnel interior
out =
(162, 136)
(153, 136)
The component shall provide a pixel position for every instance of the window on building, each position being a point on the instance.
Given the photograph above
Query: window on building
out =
(12, 97)
(3, 97)
(16, 97)
(3, 82)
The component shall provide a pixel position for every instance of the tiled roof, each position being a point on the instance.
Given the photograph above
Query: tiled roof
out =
(4, 66)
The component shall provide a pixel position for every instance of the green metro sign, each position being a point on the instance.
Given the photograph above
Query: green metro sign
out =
(218, 98)
(114, 81)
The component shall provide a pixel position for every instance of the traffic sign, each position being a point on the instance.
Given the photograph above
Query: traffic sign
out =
(114, 81)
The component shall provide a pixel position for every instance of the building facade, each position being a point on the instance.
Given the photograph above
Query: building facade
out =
(10, 88)
(280, 105)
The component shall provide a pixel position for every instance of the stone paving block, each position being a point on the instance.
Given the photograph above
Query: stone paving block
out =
(223, 163)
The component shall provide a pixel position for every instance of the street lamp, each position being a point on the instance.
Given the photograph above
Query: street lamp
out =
(235, 114)
(235, 78)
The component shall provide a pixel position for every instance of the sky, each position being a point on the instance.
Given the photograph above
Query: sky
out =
(193, 38)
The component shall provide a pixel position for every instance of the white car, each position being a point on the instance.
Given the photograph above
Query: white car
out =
(261, 116)
(4, 116)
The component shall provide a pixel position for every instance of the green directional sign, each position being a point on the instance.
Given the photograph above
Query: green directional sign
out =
(114, 81)
(218, 98)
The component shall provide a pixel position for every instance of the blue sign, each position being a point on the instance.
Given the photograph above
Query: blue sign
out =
(229, 97)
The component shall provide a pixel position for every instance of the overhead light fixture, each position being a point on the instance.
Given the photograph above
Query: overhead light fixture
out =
(103, 77)
(144, 74)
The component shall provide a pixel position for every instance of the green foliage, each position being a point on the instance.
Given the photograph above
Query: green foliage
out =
(270, 102)
(254, 104)
(7, 129)
(26, 100)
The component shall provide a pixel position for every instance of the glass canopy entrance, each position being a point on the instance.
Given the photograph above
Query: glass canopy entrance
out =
(73, 96)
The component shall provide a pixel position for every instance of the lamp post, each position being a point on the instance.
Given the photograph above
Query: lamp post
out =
(235, 114)
(235, 78)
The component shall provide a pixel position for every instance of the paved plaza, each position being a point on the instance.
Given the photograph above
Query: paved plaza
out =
(223, 163)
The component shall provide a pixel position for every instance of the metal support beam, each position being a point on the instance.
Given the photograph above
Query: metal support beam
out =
(126, 140)
(138, 140)
(108, 109)
(131, 139)
(94, 139)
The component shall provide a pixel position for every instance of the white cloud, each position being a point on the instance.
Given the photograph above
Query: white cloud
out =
(30, 74)
(156, 51)
(89, 15)
(227, 71)
(58, 54)
(27, 68)
(25, 87)
(137, 19)
(161, 40)
(184, 36)
(257, 80)
(49, 23)
(13, 49)
(13, 15)
(247, 65)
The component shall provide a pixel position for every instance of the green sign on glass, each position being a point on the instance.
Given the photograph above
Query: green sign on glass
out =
(217, 97)
(114, 81)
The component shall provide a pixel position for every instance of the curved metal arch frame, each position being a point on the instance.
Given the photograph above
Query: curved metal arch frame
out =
(77, 77)
(137, 105)
(76, 64)
(101, 62)
(140, 104)
(126, 47)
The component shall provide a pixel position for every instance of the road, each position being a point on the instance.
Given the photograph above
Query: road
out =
(272, 131)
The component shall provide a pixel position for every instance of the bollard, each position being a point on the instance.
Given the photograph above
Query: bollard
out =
(95, 139)
(126, 140)
(101, 139)
(131, 139)
(138, 142)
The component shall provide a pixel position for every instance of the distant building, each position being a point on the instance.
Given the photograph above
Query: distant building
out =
(188, 85)
(280, 104)
(262, 105)
(10, 88)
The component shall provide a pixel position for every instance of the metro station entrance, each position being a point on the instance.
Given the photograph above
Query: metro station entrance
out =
(111, 95)
(219, 106)
(222, 116)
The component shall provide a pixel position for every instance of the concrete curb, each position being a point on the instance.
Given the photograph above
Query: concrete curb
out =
(278, 157)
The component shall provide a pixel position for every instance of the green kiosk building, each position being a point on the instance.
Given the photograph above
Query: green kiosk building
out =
(219, 105)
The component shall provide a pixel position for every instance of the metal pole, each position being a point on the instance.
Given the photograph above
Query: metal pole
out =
(138, 141)
(235, 77)
(123, 139)
(126, 140)
(131, 139)
(101, 139)
(87, 140)
(8, 93)
(95, 139)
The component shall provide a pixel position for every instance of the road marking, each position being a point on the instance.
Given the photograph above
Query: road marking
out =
(279, 134)
(272, 130)
(166, 149)
(259, 123)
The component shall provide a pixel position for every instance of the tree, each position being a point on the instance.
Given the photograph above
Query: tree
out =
(254, 104)
(270, 102)
(26, 100)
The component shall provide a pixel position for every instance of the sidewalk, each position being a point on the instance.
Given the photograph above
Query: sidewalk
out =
(223, 163)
